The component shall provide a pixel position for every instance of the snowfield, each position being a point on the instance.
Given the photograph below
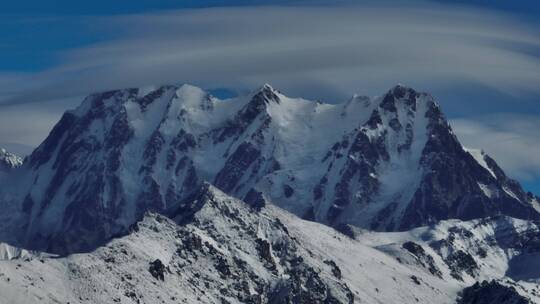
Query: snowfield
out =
(214, 255)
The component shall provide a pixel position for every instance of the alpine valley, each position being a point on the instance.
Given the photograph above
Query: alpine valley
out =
(170, 195)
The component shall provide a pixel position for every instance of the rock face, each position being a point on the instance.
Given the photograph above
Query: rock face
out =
(491, 293)
(233, 226)
(157, 270)
(423, 258)
(386, 163)
(500, 248)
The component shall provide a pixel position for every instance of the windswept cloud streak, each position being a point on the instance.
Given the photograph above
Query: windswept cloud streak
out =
(313, 51)
(29, 123)
(510, 139)
(327, 52)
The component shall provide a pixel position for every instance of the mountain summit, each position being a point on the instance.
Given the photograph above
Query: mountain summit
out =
(385, 163)
(9, 160)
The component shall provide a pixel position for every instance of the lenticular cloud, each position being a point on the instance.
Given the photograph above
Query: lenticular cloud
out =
(340, 49)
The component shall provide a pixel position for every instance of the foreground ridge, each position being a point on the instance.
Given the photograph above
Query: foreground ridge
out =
(217, 249)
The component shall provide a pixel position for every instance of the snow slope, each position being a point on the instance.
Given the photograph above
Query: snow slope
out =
(220, 250)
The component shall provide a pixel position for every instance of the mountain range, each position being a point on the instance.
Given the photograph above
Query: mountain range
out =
(262, 198)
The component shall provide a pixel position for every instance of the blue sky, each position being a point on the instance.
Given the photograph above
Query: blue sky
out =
(34, 31)
(45, 43)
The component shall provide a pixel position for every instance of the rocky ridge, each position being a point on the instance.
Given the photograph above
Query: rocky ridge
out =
(216, 249)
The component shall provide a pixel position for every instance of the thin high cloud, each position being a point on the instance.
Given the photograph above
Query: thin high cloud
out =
(311, 51)
(511, 139)
(314, 51)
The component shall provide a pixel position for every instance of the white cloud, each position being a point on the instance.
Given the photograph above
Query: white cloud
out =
(322, 51)
(511, 139)
(29, 123)
(327, 52)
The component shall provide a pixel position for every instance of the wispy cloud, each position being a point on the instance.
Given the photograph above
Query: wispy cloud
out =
(29, 123)
(314, 51)
(511, 139)
(325, 51)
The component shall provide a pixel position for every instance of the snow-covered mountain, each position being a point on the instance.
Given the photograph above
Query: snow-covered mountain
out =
(8, 163)
(9, 160)
(387, 163)
(217, 249)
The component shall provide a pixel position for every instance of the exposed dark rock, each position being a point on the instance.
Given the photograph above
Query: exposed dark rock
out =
(363, 156)
(345, 229)
(305, 286)
(334, 267)
(318, 191)
(395, 124)
(449, 189)
(157, 269)
(491, 293)
(265, 253)
(425, 259)
(288, 191)
(374, 120)
(388, 103)
(255, 199)
(236, 165)
(248, 114)
(153, 147)
(222, 266)
(151, 97)
(460, 261)
(415, 280)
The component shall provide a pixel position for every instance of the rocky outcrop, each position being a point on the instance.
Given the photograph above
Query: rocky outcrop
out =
(226, 221)
(491, 293)
(157, 269)
(424, 258)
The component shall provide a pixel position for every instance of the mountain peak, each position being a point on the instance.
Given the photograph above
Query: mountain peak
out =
(266, 92)
(266, 87)
(400, 91)
(393, 163)
(9, 160)
(259, 101)
(206, 196)
(187, 88)
(399, 94)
